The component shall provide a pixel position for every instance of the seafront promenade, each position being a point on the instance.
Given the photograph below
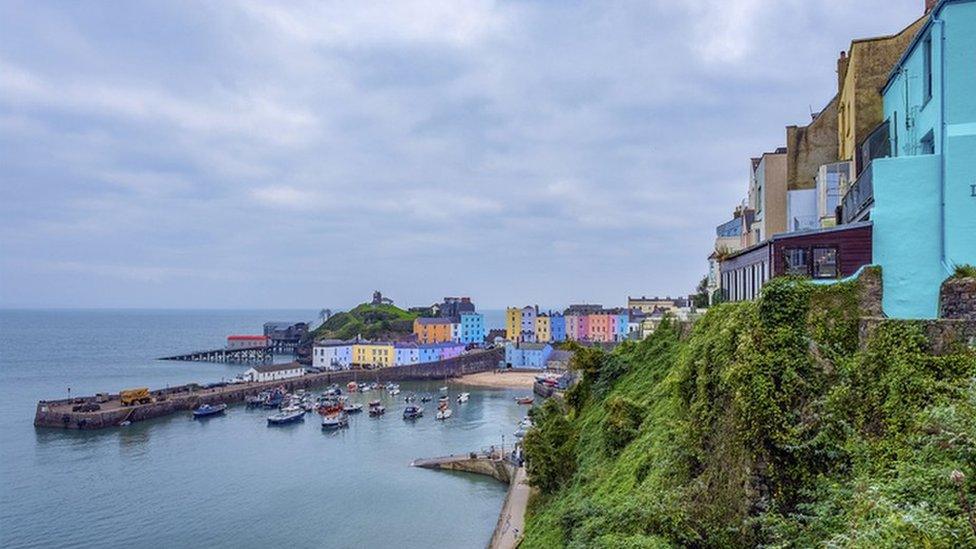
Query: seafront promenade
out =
(59, 413)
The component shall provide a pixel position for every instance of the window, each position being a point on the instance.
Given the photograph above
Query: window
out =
(927, 76)
(825, 263)
(928, 143)
(797, 261)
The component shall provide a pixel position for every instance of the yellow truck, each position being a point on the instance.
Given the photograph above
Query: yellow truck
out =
(139, 395)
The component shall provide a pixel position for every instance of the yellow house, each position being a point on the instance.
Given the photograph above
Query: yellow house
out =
(861, 73)
(374, 354)
(513, 323)
(543, 329)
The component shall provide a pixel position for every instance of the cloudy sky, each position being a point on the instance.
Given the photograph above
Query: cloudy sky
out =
(248, 154)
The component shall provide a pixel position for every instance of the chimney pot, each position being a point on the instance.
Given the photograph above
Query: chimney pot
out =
(929, 4)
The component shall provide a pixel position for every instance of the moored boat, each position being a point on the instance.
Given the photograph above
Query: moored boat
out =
(525, 400)
(352, 387)
(425, 398)
(335, 421)
(412, 412)
(352, 408)
(376, 408)
(208, 410)
(283, 417)
(463, 397)
(444, 414)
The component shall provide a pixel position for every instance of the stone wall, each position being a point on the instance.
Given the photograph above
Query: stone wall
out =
(811, 146)
(944, 335)
(957, 299)
(870, 292)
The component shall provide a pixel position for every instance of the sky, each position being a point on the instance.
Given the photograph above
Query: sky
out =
(246, 154)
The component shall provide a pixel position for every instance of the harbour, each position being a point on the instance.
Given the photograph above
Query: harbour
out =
(146, 483)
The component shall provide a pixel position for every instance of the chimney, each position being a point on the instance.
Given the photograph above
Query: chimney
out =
(929, 4)
(841, 70)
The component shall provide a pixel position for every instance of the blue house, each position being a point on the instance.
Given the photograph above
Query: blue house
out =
(557, 327)
(924, 193)
(527, 355)
(472, 328)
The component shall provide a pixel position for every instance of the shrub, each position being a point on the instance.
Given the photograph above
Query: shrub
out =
(621, 424)
(550, 448)
(965, 271)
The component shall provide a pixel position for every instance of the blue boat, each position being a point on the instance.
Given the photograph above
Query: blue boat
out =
(207, 410)
(412, 412)
(291, 416)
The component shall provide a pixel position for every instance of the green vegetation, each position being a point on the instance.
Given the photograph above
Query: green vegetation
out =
(767, 425)
(965, 271)
(370, 321)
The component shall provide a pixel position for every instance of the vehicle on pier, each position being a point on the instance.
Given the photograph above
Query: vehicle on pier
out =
(413, 412)
(335, 421)
(283, 418)
(140, 395)
(208, 410)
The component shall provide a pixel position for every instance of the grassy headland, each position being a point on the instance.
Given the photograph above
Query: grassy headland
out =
(376, 322)
(766, 425)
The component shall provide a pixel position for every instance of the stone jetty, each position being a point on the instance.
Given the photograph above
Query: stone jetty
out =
(59, 413)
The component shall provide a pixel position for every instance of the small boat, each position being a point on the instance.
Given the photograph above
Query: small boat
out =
(253, 401)
(376, 408)
(335, 421)
(292, 408)
(425, 398)
(282, 418)
(463, 397)
(525, 400)
(410, 398)
(352, 387)
(353, 408)
(412, 412)
(443, 389)
(207, 410)
(444, 414)
(393, 389)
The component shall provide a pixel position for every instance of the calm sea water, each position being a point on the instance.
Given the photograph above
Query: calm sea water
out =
(229, 481)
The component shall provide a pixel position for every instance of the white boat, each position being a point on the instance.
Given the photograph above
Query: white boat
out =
(352, 408)
(282, 417)
(394, 390)
(335, 421)
(444, 414)
(463, 397)
(443, 389)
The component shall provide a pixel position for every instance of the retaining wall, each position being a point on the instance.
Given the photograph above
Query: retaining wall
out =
(944, 335)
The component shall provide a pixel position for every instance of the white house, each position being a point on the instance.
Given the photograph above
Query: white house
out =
(455, 331)
(333, 355)
(274, 372)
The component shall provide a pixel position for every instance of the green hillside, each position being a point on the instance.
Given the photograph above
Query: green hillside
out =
(370, 321)
(766, 426)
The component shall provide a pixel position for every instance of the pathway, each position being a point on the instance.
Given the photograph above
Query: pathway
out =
(511, 523)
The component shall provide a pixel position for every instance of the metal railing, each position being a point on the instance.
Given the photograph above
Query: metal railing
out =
(859, 197)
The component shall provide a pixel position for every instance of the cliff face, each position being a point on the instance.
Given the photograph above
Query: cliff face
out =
(770, 424)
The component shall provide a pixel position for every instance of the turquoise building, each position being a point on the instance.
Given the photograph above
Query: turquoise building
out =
(472, 328)
(924, 193)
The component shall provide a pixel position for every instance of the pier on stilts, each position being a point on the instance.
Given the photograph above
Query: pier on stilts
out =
(250, 355)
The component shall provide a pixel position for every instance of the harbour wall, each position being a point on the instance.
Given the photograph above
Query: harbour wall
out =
(59, 414)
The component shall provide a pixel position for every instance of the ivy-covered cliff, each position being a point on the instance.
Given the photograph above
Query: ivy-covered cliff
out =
(766, 425)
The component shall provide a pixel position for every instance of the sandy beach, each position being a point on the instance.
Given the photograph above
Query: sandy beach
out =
(503, 380)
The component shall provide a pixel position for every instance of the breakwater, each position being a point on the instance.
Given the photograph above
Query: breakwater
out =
(60, 414)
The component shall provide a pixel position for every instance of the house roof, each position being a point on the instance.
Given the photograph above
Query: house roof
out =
(247, 337)
(427, 320)
(268, 368)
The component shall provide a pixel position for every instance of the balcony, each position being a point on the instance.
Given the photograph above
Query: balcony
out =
(859, 198)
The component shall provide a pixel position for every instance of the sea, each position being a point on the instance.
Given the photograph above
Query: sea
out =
(231, 480)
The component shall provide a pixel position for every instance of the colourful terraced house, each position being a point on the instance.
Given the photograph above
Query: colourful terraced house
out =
(924, 194)
(543, 328)
(376, 354)
(472, 328)
(433, 330)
